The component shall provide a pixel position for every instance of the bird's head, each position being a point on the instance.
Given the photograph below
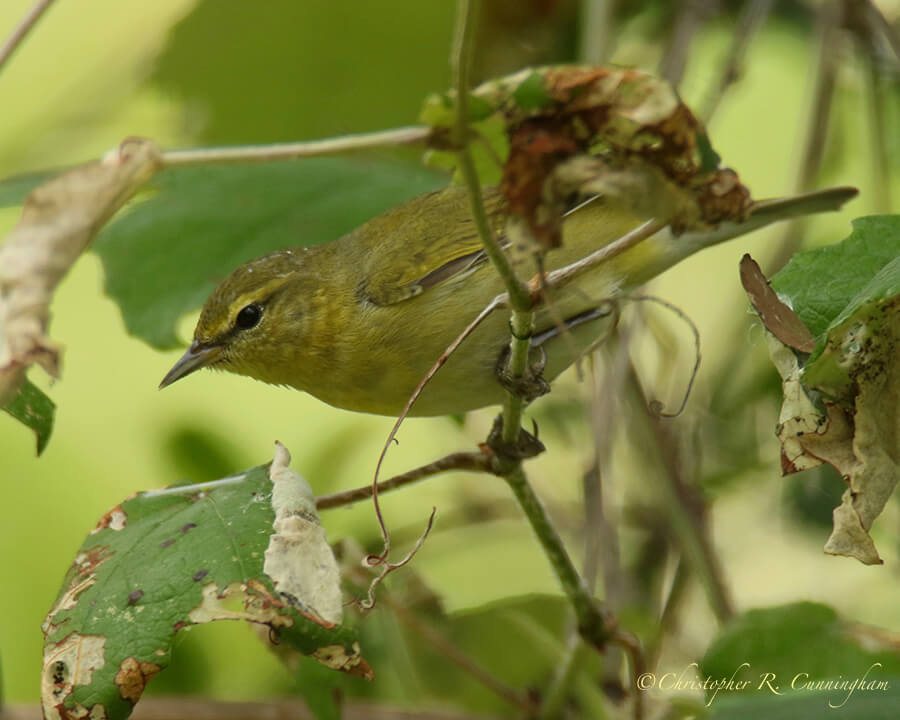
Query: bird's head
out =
(253, 322)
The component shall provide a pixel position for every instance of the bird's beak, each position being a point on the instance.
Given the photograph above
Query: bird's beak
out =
(197, 356)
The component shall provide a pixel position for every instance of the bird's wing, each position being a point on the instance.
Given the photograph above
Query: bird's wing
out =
(442, 244)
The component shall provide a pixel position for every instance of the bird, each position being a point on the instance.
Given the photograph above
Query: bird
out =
(359, 321)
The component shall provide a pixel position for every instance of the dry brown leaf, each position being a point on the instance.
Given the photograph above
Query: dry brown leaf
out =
(59, 220)
(861, 439)
(778, 318)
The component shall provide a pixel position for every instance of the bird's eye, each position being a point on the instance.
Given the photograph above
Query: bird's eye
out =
(249, 317)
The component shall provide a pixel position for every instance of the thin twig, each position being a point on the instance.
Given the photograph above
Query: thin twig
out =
(686, 513)
(752, 17)
(521, 326)
(655, 406)
(439, 363)
(468, 461)
(883, 39)
(830, 21)
(600, 540)
(597, 25)
(558, 278)
(411, 135)
(376, 560)
(878, 91)
(669, 612)
(11, 44)
(690, 15)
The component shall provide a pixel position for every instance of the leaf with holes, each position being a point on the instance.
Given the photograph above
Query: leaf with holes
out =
(246, 548)
(842, 400)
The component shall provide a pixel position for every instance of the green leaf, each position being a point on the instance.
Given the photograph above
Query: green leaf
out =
(825, 284)
(168, 251)
(793, 650)
(868, 315)
(162, 561)
(709, 158)
(519, 639)
(876, 704)
(34, 410)
(531, 93)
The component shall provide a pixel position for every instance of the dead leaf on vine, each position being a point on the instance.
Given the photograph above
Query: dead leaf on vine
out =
(59, 220)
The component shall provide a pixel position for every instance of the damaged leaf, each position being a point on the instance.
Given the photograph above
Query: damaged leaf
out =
(299, 559)
(165, 560)
(35, 410)
(777, 317)
(842, 403)
(569, 127)
(59, 220)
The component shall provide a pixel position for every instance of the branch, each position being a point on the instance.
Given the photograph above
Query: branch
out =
(597, 25)
(690, 15)
(11, 44)
(288, 151)
(558, 278)
(596, 627)
(468, 461)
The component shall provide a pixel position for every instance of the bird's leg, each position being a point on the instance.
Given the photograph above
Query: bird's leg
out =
(530, 386)
(526, 446)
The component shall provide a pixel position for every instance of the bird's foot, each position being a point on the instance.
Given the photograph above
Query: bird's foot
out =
(524, 447)
(529, 386)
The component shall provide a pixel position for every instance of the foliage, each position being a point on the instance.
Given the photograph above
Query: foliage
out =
(161, 561)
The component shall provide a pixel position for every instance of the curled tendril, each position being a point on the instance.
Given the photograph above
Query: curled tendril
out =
(655, 406)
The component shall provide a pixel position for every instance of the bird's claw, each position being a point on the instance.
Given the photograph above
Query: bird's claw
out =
(526, 446)
(530, 386)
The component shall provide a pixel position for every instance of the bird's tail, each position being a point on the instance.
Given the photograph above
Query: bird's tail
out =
(765, 212)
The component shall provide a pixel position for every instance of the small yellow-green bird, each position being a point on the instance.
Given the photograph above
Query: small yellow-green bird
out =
(359, 322)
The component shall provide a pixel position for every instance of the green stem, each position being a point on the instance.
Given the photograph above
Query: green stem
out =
(521, 325)
(593, 625)
(466, 15)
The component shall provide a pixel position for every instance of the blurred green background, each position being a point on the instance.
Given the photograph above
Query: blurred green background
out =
(191, 73)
